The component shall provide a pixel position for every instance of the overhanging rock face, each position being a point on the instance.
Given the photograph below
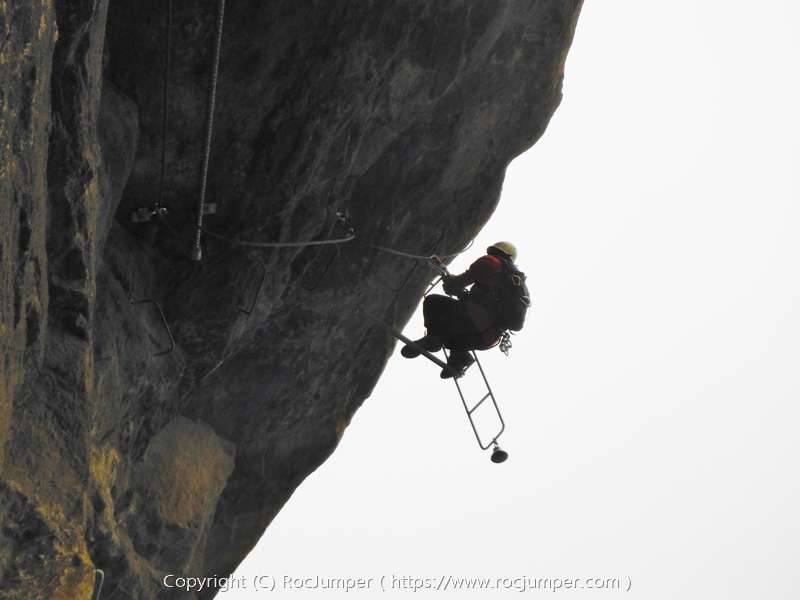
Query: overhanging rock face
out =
(144, 446)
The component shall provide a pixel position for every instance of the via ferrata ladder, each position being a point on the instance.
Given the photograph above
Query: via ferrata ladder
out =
(498, 454)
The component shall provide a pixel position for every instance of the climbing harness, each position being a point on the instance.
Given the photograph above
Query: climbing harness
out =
(197, 251)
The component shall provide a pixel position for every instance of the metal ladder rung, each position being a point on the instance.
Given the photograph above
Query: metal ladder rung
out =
(481, 401)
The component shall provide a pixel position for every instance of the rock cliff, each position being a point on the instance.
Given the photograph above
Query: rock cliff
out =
(157, 411)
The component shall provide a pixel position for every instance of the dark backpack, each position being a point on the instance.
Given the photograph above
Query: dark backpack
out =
(512, 296)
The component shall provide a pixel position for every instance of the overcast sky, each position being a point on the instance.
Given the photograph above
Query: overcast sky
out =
(652, 400)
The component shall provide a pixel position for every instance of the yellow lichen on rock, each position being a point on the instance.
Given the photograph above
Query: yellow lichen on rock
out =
(184, 470)
(75, 581)
(103, 467)
(43, 22)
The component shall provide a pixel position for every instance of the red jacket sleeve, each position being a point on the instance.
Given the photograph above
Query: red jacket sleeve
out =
(484, 270)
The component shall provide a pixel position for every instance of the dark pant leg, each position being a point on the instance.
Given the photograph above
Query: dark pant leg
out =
(449, 320)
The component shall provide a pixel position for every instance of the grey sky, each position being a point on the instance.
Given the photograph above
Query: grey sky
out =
(652, 399)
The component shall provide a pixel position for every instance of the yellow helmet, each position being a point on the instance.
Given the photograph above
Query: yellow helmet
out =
(506, 248)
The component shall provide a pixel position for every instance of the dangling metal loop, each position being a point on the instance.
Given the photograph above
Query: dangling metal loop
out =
(164, 324)
(249, 310)
(99, 579)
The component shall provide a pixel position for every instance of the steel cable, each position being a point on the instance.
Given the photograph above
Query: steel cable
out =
(197, 252)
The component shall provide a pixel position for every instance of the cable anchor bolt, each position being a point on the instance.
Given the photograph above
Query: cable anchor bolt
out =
(146, 214)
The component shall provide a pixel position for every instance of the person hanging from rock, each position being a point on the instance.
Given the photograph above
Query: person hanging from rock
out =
(476, 319)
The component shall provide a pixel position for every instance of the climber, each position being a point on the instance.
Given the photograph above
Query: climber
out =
(477, 320)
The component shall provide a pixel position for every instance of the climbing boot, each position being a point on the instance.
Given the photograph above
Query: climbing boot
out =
(430, 343)
(458, 362)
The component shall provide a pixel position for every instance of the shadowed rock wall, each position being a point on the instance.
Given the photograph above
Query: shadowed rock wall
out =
(121, 456)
